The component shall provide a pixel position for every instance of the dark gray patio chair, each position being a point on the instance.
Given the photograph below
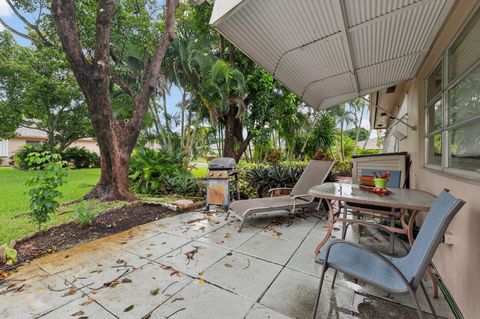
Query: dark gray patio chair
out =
(395, 275)
(314, 174)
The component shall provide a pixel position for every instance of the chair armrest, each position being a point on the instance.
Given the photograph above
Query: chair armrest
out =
(304, 197)
(374, 253)
(270, 191)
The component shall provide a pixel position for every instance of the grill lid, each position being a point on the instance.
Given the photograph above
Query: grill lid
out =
(222, 163)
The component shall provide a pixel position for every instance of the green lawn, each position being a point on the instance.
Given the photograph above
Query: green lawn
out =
(200, 171)
(14, 203)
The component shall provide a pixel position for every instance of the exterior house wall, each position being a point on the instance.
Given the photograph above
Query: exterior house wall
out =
(15, 143)
(459, 260)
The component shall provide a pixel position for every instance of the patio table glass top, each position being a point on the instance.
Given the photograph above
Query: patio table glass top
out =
(398, 197)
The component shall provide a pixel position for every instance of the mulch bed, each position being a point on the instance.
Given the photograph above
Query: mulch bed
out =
(70, 234)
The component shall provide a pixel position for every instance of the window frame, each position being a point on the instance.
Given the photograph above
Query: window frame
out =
(444, 97)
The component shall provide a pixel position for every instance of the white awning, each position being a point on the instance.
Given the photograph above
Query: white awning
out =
(329, 51)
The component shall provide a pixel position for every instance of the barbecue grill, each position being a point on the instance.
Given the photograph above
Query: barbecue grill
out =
(220, 172)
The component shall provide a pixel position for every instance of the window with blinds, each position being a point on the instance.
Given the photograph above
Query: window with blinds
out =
(3, 148)
(452, 106)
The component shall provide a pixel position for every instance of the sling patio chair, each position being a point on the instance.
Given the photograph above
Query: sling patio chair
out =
(314, 174)
(395, 275)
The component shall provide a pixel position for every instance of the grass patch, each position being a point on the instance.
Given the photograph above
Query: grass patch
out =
(14, 204)
(200, 171)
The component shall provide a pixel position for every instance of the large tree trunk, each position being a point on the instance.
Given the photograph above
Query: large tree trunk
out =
(116, 139)
(229, 140)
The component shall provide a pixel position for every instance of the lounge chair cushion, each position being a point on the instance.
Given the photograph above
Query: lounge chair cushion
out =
(241, 207)
(362, 265)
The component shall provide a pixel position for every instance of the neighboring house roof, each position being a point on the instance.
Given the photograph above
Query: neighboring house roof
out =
(30, 132)
(372, 144)
(24, 132)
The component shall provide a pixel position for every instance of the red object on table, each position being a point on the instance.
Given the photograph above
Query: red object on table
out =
(380, 192)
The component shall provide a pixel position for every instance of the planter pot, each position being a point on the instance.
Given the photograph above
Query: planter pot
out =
(380, 183)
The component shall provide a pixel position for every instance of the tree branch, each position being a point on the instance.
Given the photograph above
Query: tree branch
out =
(153, 71)
(41, 37)
(20, 34)
(123, 85)
(64, 15)
(105, 13)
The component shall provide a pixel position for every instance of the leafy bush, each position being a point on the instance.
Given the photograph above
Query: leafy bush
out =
(263, 178)
(21, 155)
(158, 171)
(343, 168)
(49, 175)
(184, 185)
(85, 214)
(81, 157)
(274, 157)
(8, 255)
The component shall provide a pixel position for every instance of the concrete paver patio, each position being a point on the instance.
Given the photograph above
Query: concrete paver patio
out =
(196, 265)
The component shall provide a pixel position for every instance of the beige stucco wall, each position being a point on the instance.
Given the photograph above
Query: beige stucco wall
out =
(15, 143)
(459, 263)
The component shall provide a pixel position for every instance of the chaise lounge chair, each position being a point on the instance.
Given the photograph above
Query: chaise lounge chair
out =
(314, 174)
(395, 275)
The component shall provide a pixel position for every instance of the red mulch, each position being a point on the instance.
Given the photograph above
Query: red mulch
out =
(70, 234)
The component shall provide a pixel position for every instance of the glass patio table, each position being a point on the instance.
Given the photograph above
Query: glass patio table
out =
(399, 199)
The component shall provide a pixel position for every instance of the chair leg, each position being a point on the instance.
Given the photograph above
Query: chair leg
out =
(334, 278)
(228, 215)
(241, 225)
(428, 300)
(417, 304)
(324, 269)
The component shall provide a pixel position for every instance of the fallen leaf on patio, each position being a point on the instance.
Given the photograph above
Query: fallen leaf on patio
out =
(121, 261)
(96, 271)
(112, 284)
(70, 292)
(83, 317)
(149, 255)
(217, 222)
(201, 273)
(78, 313)
(191, 221)
(175, 273)
(229, 254)
(177, 299)
(229, 265)
(126, 280)
(128, 308)
(201, 281)
(89, 301)
(191, 253)
(154, 292)
(228, 235)
(220, 242)
(66, 256)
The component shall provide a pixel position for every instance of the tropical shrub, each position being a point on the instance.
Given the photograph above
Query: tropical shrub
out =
(21, 155)
(85, 214)
(274, 157)
(184, 185)
(8, 254)
(263, 178)
(49, 175)
(343, 168)
(158, 171)
(80, 157)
